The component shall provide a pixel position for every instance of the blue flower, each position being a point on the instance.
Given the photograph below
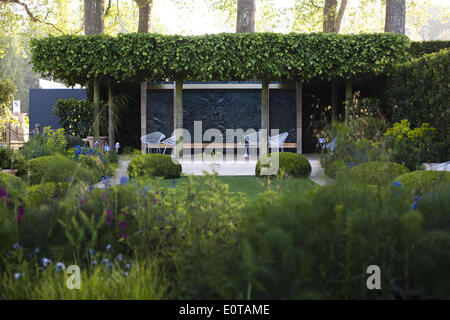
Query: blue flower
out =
(36, 250)
(397, 184)
(125, 274)
(123, 180)
(108, 247)
(45, 261)
(10, 253)
(105, 261)
(16, 246)
(414, 206)
(59, 267)
(30, 256)
(94, 263)
(119, 257)
(91, 252)
(117, 146)
(95, 144)
(110, 265)
(107, 148)
(128, 266)
(17, 275)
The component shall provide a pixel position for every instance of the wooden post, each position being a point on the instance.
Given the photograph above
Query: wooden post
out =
(96, 124)
(299, 104)
(8, 134)
(265, 124)
(143, 113)
(348, 98)
(111, 137)
(178, 114)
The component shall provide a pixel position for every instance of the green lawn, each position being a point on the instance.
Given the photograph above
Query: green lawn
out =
(251, 186)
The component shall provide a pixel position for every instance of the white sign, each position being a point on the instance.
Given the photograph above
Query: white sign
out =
(16, 106)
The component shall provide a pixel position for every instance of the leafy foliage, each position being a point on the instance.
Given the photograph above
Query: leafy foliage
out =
(410, 147)
(255, 56)
(423, 182)
(420, 48)
(75, 116)
(291, 164)
(376, 172)
(418, 91)
(7, 90)
(154, 165)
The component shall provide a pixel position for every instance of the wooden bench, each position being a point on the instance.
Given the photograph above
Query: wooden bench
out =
(216, 145)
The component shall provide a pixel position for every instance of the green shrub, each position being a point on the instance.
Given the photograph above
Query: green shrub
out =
(335, 168)
(75, 116)
(418, 91)
(57, 168)
(50, 142)
(422, 182)
(41, 193)
(292, 164)
(420, 48)
(376, 172)
(356, 142)
(154, 165)
(409, 147)
(10, 181)
(320, 245)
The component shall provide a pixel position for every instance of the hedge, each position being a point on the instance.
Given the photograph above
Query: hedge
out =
(376, 172)
(221, 57)
(419, 91)
(154, 165)
(420, 48)
(292, 164)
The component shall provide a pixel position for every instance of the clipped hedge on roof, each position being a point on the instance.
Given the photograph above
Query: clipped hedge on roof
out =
(219, 57)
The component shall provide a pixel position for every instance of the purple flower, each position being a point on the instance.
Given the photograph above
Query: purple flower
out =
(20, 215)
(122, 225)
(123, 236)
(140, 232)
(397, 184)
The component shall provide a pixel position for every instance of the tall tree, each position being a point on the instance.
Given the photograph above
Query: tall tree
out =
(395, 16)
(332, 18)
(94, 16)
(245, 21)
(145, 11)
(94, 23)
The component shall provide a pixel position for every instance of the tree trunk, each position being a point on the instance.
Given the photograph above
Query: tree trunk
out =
(145, 12)
(329, 15)
(245, 22)
(111, 115)
(94, 11)
(395, 16)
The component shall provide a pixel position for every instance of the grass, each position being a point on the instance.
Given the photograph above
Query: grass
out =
(251, 186)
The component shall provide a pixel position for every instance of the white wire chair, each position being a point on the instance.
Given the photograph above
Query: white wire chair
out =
(275, 142)
(169, 142)
(153, 139)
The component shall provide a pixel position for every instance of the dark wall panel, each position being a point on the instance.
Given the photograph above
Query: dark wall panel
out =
(42, 102)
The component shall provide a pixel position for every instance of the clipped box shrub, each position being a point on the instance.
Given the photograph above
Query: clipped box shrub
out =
(376, 172)
(154, 165)
(292, 164)
(423, 182)
(57, 168)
